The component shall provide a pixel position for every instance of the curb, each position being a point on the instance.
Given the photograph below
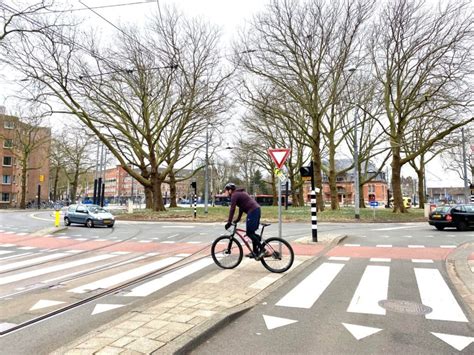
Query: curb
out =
(49, 230)
(460, 274)
(185, 343)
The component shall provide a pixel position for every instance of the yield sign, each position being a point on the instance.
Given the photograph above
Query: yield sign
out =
(279, 156)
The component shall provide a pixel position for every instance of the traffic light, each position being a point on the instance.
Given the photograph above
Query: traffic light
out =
(193, 185)
(306, 171)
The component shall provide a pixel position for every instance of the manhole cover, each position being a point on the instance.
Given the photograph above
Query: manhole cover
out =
(406, 307)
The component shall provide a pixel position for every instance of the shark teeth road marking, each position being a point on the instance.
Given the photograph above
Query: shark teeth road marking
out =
(45, 303)
(100, 308)
(276, 322)
(458, 342)
(359, 331)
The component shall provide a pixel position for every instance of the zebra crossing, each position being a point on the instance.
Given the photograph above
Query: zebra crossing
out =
(374, 285)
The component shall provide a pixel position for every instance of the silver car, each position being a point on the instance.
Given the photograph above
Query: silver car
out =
(89, 215)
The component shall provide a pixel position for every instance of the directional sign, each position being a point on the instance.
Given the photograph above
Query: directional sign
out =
(279, 156)
(280, 174)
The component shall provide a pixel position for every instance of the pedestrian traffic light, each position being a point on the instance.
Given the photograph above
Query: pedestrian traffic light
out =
(193, 184)
(306, 171)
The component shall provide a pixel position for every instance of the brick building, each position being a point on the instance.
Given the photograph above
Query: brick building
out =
(376, 190)
(120, 186)
(10, 168)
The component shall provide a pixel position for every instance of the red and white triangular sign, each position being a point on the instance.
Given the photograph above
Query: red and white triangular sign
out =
(279, 156)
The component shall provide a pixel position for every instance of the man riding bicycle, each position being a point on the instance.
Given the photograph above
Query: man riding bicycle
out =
(240, 198)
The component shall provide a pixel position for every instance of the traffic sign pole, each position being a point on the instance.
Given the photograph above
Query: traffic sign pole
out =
(279, 208)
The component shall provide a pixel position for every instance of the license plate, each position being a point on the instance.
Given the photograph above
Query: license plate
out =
(436, 216)
(107, 221)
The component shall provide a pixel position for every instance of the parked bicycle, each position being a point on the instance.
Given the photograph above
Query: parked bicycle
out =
(227, 251)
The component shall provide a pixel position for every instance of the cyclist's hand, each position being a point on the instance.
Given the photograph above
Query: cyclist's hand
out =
(227, 225)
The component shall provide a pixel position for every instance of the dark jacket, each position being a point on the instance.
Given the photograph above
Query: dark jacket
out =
(242, 200)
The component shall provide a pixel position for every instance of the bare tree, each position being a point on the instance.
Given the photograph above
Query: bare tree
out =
(142, 97)
(423, 59)
(303, 49)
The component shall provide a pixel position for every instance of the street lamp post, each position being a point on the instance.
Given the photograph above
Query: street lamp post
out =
(206, 174)
(356, 168)
(467, 192)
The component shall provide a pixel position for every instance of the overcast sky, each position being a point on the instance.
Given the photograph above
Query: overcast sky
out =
(228, 15)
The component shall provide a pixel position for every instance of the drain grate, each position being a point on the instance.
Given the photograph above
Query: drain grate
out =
(406, 307)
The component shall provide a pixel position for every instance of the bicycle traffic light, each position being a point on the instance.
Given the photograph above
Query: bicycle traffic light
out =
(306, 171)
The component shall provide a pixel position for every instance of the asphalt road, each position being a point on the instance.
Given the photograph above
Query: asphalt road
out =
(39, 275)
(334, 306)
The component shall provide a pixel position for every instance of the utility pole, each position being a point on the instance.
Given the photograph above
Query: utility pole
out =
(467, 191)
(356, 168)
(206, 174)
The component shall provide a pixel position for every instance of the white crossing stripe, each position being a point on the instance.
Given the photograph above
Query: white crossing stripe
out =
(125, 276)
(150, 287)
(416, 246)
(435, 293)
(447, 246)
(393, 228)
(14, 256)
(50, 269)
(384, 245)
(7, 245)
(28, 262)
(352, 245)
(6, 252)
(420, 261)
(307, 292)
(372, 288)
(381, 260)
(27, 248)
(339, 258)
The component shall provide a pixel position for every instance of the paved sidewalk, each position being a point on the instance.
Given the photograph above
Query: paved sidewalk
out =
(181, 319)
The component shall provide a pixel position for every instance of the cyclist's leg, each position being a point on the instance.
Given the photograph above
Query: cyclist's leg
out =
(253, 221)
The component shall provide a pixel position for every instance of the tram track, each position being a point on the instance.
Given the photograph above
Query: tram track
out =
(175, 266)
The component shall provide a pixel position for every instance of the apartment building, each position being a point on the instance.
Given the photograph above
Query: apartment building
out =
(11, 128)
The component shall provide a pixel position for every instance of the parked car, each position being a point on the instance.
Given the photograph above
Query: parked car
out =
(459, 216)
(89, 215)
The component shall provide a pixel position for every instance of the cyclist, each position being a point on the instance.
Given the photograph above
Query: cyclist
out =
(240, 198)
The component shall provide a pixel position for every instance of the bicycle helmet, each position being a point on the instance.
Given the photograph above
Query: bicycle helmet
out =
(230, 186)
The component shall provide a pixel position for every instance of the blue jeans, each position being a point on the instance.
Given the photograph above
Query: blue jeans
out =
(253, 222)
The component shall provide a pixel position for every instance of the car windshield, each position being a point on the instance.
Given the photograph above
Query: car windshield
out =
(442, 209)
(97, 210)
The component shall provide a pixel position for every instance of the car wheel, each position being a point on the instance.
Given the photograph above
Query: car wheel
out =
(67, 222)
(89, 223)
(462, 226)
(440, 228)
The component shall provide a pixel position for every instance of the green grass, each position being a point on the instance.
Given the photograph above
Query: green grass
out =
(270, 214)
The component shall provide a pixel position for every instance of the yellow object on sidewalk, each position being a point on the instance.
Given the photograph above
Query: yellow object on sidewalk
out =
(56, 219)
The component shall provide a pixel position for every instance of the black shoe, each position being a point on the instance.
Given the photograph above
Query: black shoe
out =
(250, 255)
(263, 254)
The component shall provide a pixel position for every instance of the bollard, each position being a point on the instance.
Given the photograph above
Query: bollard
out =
(57, 218)
(314, 218)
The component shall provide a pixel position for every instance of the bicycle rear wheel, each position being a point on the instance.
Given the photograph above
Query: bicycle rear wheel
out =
(226, 252)
(281, 255)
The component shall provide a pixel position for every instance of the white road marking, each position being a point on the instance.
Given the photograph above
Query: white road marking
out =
(394, 228)
(407, 236)
(2, 252)
(352, 245)
(193, 242)
(447, 246)
(276, 322)
(372, 288)
(64, 237)
(307, 292)
(125, 276)
(14, 256)
(121, 252)
(429, 236)
(31, 261)
(381, 260)
(183, 255)
(6, 326)
(360, 331)
(172, 236)
(81, 239)
(435, 293)
(44, 304)
(384, 245)
(421, 261)
(27, 248)
(7, 245)
(99, 308)
(150, 287)
(416, 246)
(74, 251)
(339, 258)
(145, 241)
(50, 269)
(168, 242)
(458, 342)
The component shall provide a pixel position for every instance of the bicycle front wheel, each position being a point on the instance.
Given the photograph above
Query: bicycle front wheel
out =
(279, 255)
(226, 252)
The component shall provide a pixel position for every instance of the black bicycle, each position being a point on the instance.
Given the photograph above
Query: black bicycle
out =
(227, 251)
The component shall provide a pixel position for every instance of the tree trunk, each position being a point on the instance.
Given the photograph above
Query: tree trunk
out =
(332, 183)
(318, 177)
(55, 183)
(398, 205)
(421, 188)
(23, 184)
(149, 197)
(173, 202)
(74, 184)
(156, 182)
(301, 197)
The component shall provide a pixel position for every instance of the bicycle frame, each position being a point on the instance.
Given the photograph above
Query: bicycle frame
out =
(242, 233)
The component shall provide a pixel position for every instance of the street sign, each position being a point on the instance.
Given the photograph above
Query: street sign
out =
(279, 156)
(280, 175)
(41, 178)
(374, 203)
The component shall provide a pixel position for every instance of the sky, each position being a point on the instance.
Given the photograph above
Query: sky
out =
(229, 16)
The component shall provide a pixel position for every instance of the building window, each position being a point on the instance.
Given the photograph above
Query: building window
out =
(371, 188)
(8, 143)
(9, 125)
(7, 161)
(6, 179)
(5, 197)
